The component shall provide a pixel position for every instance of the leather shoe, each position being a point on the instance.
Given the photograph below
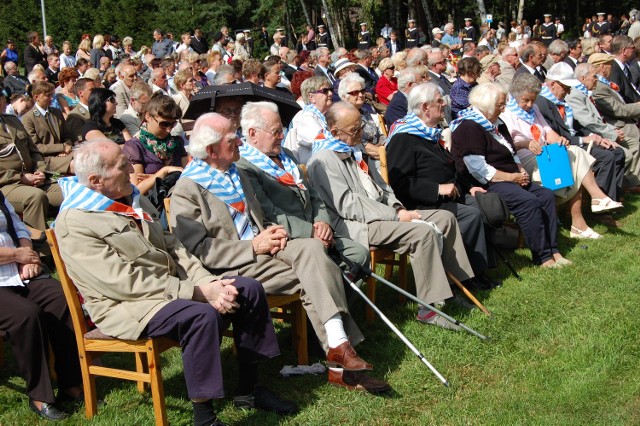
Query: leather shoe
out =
(357, 380)
(263, 399)
(48, 411)
(344, 356)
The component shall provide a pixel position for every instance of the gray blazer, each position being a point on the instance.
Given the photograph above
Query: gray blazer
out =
(335, 177)
(586, 113)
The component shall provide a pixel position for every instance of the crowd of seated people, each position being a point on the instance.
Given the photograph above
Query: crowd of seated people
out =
(84, 139)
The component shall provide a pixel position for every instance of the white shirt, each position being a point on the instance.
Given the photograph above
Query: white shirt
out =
(9, 275)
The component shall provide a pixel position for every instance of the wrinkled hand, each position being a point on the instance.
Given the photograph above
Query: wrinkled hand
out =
(563, 141)
(473, 191)
(323, 232)
(521, 178)
(221, 295)
(163, 172)
(408, 215)
(372, 150)
(29, 271)
(270, 241)
(448, 190)
(26, 256)
(620, 136)
(33, 179)
(535, 147)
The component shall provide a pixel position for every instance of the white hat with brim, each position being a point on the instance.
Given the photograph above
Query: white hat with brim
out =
(342, 64)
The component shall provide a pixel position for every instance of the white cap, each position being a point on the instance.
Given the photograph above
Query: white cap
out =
(562, 73)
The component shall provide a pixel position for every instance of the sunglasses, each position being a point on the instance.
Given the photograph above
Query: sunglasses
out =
(111, 99)
(356, 92)
(165, 124)
(324, 91)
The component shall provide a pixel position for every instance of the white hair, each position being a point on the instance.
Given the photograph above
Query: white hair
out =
(203, 135)
(88, 159)
(251, 117)
(354, 77)
(421, 94)
(406, 76)
(485, 97)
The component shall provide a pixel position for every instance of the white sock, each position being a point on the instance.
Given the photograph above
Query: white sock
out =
(335, 331)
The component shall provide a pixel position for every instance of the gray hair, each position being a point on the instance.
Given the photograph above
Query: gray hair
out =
(319, 52)
(311, 85)
(155, 73)
(448, 26)
(406, 76)
(8, 66)
(619, 43)
(485, 97)
(416, 56)
(251, 117)
(362, 54)
(33, 74)
(203, 135)
(423, 93)
(139, 89)
(88, 159)
(558, 47)
(527, 52)
(582, 70)
(224, 71)
(354, 77)
(525, 83)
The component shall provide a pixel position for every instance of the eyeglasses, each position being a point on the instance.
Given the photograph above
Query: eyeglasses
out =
(275, 133)
(353, 132)
(356, 92)
(165, 124)
(229, 111)
(111, 99)
(324, 91)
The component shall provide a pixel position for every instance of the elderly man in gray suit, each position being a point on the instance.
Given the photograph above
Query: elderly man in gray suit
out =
(619, 114)
(364, 207)
(216, 215)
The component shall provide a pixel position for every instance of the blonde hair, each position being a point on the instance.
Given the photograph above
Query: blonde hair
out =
(98, 41)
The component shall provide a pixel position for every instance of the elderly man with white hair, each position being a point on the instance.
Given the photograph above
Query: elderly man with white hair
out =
(215, 215)
(397, 108)
(363, 207)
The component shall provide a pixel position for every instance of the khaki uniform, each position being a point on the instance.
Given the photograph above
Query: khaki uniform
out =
(72, 130)
(46, 133)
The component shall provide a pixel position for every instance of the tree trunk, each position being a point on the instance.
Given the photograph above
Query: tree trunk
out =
(306, 13)
(520, 11)
(482, 11)
(334, 30)
(427, 15)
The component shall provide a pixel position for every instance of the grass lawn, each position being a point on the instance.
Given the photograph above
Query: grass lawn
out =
(563, 351)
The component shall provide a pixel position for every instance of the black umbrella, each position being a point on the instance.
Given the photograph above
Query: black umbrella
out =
(205, 100)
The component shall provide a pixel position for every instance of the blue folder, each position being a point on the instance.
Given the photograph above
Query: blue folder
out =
(554, 166)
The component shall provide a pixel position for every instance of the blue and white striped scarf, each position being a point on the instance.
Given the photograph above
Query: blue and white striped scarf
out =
(315, 111)
(290, 176)
(473, 114)
(226, 187)
(78, 196)
(513, 106)
(325, 140)
(568, 119)
(412, 125)
(583, 89)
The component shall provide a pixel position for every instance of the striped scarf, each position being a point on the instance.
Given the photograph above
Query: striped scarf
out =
(611, 84)
(568, 118)
(583, 89)
(78, 196)
(325, 140)
(412, 125)
(290, 176)
(473, 114)
(226, 187)
(513, 106)
(315, 111)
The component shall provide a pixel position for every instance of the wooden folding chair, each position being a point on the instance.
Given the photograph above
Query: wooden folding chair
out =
(93, 344)
(285, 307)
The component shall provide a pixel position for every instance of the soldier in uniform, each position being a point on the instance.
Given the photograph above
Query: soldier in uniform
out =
(601, 27)
(548, 30)
(411, 34)
(364, 38)
(72, 130)
(323, 37)
(249, 41)
(469, 32)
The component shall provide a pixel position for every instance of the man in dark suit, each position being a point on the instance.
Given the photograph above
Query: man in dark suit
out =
(575, 51)
(53, 60)
(393, 44)
(531, 58)
(14, 82)
(365, 71)
(323, 60)
(397, 108)
(437, 64)
(624, 51)
(610, 163)
(199, 42)
(34, 52)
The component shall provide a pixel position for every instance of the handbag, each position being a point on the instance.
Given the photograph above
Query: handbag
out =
(554, 166)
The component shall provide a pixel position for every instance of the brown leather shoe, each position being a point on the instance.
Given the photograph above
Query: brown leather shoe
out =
(357, 380)
(345, 356)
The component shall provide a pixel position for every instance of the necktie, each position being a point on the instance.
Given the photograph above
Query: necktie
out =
(562, 112)
(627, 72)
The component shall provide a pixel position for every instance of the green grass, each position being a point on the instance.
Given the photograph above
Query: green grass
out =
(564, 351)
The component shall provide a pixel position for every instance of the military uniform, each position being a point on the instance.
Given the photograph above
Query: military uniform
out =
(323, 39)
(72, 130)
(548, 32)
(364, 39)
(46, 134)
(600, 28)
(412, 37)
(469, 34)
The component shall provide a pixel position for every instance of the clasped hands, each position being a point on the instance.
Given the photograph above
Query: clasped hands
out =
(220, 294)
(28, 261)
(270, 241)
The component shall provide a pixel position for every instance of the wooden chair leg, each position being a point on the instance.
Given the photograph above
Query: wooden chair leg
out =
(157, 386)
(141, 367)
(299, 332)
(89, 385)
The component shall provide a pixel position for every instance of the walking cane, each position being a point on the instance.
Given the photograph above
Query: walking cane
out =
(468, 294)
(398, 333)
(505, 260)
(368, 272)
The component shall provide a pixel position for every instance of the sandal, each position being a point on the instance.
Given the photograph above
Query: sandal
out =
(586, 234)
(604, 205)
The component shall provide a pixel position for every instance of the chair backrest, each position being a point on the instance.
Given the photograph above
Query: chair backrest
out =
(383, 125)
(303, 169)
(382, 151)
(70, 291)
(167, 210)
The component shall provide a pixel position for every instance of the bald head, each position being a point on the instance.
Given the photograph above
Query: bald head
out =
(208, 129)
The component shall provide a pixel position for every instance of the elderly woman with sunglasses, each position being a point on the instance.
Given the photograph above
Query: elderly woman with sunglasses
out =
(103, 124)
(486, 156)
(352, 90)
(155, 153)
(308, 123)
(387, 85)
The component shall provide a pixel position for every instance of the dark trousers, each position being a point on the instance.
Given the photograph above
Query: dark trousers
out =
(32, 317)
(473, 232)
(609, 170)
(535, 210)
(198, 327)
